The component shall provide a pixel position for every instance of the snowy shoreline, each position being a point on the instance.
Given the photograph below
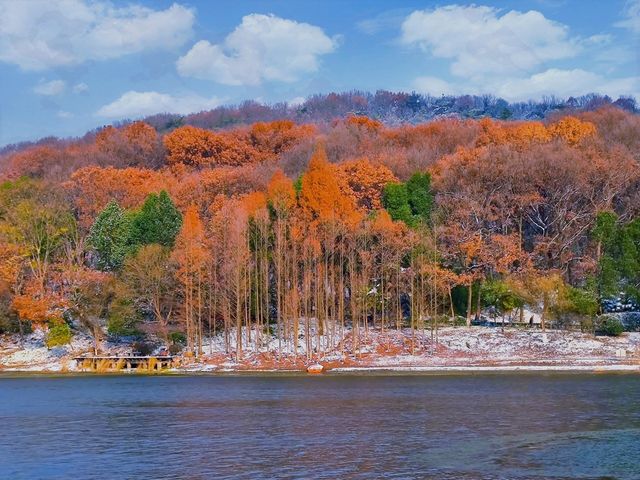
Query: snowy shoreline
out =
(596, 368)
(454, 350)
(362, 370)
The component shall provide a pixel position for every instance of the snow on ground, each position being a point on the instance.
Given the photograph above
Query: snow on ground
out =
(491, 347)
(33, 355)
(448, 348)
(496, 368)
(451, 347)
(513, 342)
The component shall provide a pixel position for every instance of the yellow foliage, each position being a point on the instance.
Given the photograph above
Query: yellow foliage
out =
(572, 130)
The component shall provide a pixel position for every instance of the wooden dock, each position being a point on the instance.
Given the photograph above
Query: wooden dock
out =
(126, 363)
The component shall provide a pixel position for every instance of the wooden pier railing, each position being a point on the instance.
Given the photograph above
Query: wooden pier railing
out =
(127, 363)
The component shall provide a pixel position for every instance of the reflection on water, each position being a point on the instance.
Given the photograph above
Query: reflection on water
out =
(327, 427)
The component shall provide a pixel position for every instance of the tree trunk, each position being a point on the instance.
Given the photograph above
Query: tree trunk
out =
(469, 300)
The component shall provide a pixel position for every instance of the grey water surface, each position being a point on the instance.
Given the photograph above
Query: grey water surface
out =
(506, 426)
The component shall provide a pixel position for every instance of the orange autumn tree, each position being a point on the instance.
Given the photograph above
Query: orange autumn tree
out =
(472, 255)
(491, 133)
(135, 144)
(141, 134)
(200, 148)
(572, 130)
(362, 122)
(191, 255)
(365, 181)
(93, 188)
(231, 265)
(33, 162)
(38, 305)
(274, 138)
(282, 199)
(201, 187)
(520, 134)
(12, 262)
(334, 217)
(258, 246)
(12, 265)
(524, 133)
(320, 194)
(190, 146)
(280, 192)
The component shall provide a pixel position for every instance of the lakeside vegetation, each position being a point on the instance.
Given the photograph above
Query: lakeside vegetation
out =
(321, 230)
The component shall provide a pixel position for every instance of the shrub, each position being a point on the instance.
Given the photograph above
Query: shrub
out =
(586, 325)
(177, 338)
(59, 334)
(123, 319)
(142, 348)
(175, 349)
(119, 326)
(9, 323)
(459, 321)
(582, 301)
(610, 326)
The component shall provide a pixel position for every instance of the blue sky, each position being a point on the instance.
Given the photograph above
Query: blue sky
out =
(71, 65)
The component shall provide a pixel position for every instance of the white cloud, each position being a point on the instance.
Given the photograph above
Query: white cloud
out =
(390, 19)
(566, 83)
(49, 89)
(40, 34)
(64, 114)
(80, 87)
(507, 54)
(296, 102)
(261, 48)
(551, 82)
(134, 104)
(632, 16)
(436, 86)
(480, 41)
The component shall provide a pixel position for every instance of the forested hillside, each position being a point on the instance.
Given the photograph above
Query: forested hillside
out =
(390, 108)
(295, 227)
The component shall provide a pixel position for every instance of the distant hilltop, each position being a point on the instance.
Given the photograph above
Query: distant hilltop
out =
(390, 108)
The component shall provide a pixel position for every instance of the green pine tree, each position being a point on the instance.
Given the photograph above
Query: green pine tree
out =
(157, 221)
(110, 236)
(420, 196)
(395, 199)
(619, 263)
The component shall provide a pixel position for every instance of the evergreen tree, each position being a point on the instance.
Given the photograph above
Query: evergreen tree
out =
(395, 199)
(410, 202)
(420, 196)
(110, 236)
(157, 221)
(618, 251)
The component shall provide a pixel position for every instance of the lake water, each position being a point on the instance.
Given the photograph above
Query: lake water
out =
(532, 426)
